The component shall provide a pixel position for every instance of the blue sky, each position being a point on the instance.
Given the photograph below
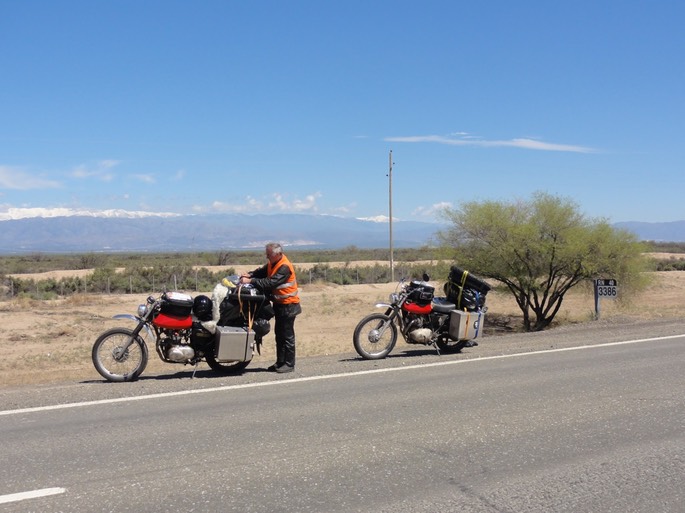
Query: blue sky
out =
(277, 106)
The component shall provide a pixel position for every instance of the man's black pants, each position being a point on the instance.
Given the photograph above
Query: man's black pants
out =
(285, 341)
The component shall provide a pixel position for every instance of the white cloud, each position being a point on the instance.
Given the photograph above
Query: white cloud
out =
(377, 219)
(100, 170)
(344, 210)
(233, 208)
(463, 139)
(275, 203)
(16, 178)
(296, 205)
(145, 178)
(432, 210)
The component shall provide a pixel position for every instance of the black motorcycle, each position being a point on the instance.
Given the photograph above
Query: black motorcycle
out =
(447, 323)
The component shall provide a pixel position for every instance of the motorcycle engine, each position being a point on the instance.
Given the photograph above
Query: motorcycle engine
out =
(180, 353)
(418, 329)
(176, 351)
(421, 335)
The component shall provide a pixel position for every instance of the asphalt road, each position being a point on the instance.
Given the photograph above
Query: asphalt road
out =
(541, 428)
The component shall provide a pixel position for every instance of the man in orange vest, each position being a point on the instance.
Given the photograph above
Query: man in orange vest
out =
(277, 278)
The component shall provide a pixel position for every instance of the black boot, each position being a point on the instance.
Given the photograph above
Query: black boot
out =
(280, 357)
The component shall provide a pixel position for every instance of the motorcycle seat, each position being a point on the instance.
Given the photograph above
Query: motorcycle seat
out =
(441, 305)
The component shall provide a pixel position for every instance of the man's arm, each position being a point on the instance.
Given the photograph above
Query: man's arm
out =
(267, 284)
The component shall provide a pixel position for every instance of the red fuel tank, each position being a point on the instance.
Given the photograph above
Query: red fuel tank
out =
(416, 308)
(172, 322)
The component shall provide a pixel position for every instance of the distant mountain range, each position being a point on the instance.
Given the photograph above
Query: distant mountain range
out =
(673, 231)
(78, 233)
(164, 233)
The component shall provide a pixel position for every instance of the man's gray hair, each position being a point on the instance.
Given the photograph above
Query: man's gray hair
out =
(275, 248)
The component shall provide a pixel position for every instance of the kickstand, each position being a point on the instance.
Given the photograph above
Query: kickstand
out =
(194, 370)
(437, 349)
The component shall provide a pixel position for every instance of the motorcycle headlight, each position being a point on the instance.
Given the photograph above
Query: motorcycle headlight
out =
(142, 310)
(394, 297)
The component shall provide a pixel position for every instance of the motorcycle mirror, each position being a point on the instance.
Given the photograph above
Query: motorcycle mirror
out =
(426, 277)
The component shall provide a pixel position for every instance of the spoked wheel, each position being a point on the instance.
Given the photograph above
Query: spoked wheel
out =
(375, 336)
(451, 346)
(225, 367)
(116, 362)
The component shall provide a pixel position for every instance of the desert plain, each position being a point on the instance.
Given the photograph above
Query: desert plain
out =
(49, 342)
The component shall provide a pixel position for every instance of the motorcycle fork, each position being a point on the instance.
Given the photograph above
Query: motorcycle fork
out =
(134, 335)
(393, 316)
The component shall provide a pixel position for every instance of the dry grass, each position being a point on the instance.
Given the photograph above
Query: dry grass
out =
(50, 341)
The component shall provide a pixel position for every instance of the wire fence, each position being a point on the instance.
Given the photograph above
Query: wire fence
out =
(159, 279)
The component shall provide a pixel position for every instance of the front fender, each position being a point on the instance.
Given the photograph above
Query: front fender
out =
(136, 320)
(390, 309)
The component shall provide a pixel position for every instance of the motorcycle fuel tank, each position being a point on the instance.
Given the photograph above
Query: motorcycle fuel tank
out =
(173, 322)
(416, 308)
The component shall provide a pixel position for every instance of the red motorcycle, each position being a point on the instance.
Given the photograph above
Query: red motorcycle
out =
(223, 331)
(446, 323)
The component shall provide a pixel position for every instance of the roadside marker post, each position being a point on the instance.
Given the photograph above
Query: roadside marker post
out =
(604, 288)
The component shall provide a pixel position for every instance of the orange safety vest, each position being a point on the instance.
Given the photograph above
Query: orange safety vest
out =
(286, 293)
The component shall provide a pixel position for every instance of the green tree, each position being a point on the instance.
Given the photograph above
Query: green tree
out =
(539, 249)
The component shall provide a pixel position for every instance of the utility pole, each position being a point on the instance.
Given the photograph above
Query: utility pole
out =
(392, 262)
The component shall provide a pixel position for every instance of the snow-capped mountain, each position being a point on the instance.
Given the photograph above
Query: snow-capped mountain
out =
(66, 230)
(137, 231)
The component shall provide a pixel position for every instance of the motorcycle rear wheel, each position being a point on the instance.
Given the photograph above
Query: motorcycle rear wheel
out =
(225, 367)
(375, 336)
(113, 362)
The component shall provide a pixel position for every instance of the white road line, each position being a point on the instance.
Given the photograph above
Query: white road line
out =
(323, 377)
(14, 497)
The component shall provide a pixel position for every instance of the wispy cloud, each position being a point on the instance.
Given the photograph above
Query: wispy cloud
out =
(145, 178)
(432, 210)
(100, 170)
(274, 203)
(18, 179)
(308, 204)
(465, 139)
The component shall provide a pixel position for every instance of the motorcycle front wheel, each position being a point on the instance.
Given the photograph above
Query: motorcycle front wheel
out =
(114, 361)
(225, 367)
(375, 336)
